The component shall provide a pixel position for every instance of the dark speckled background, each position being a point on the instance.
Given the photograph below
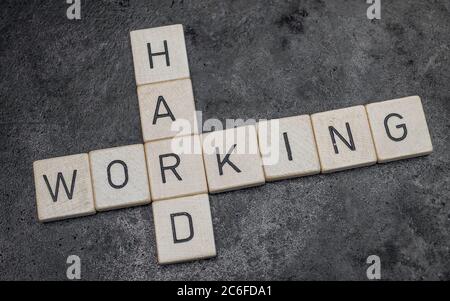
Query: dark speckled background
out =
(68, 87)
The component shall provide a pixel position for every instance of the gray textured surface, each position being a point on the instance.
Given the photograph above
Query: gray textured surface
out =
(68, 87)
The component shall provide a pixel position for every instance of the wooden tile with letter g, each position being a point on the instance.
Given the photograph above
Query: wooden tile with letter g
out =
(288, 148)
(343, 139)
(399, 129)
(167, 109)
(119, 177)
(232, 159)
(159, 54)
(183, 228)
(175, 167)
(63, 187)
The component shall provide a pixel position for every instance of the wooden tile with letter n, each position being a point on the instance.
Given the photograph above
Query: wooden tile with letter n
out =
(159, 54)
(119, 177)
(232, 159)
(288, 148)
(184, 229)
(167, 109)
(175, 167)
(343, 139)
(399, 129)
(63, 187)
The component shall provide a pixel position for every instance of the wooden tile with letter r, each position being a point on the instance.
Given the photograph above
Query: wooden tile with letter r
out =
(343, 139)
(288, 148)
(183, 228)
(399, 129)
(119, 177)
(232, 159)
(159, 54)
(175, 167)
(167, 109)
(63, 187)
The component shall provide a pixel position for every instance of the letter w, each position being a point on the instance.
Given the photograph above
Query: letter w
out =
(60, 178)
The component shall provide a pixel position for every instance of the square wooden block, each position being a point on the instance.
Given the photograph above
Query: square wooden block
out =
(343, 139)
(167, 109)
(175, 167)
(159, 54)
(399, 129)
(63, 187)
(232, 159)
(119, 177)
(184, 229)
(288, 148)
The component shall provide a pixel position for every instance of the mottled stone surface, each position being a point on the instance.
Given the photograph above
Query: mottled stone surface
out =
(68, 87)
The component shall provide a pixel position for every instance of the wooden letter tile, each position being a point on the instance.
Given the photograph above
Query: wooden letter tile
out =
(175, 167)
(63, 187)
(399, 129)
(159, 54)
(167, 109)
(343, 139)
(232, 159)
(119, 177)
(288, 148)
(184, 229)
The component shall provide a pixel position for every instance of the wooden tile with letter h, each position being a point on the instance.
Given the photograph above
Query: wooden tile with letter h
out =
(175, 167)
(159, 54)
(183, 228)
(399, 129)
(343, 139)
(167, 109)
(288, 148)
(119, 176)
(63, 187)
(232, 159)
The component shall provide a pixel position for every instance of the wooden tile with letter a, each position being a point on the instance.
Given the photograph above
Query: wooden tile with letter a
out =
(343, 139)
(184, 229)
(63, 187)
(399, 129)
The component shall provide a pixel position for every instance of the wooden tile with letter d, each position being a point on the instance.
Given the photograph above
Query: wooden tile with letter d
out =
(183, 228)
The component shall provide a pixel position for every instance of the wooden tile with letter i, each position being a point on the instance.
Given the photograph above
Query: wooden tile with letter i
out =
(399, 129)
(119, 177)
(183, 228)
(288, 148)
(167, 109)
(343, 139)
(175, 167)
(159, 54)
(232, 159)
(63, 187)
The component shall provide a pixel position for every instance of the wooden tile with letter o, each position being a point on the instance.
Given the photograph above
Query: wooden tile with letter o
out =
(184, 229)
(119, 177)
(288, 148)
(399, 129)
(63, 187)
(159, 54)
(175, 167)
(232, 159)
(167, 109)
(343, 139)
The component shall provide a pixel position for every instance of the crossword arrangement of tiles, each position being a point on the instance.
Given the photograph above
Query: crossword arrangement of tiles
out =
(178, 184)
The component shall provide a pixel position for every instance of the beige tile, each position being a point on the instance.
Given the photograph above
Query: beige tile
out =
(175, 167)
(184, 229)
(288, 148)
(167, 109)
(63, 187)
(399, 129)
(119, 177)
(232, 159)
(167, 50)
(355, 146)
